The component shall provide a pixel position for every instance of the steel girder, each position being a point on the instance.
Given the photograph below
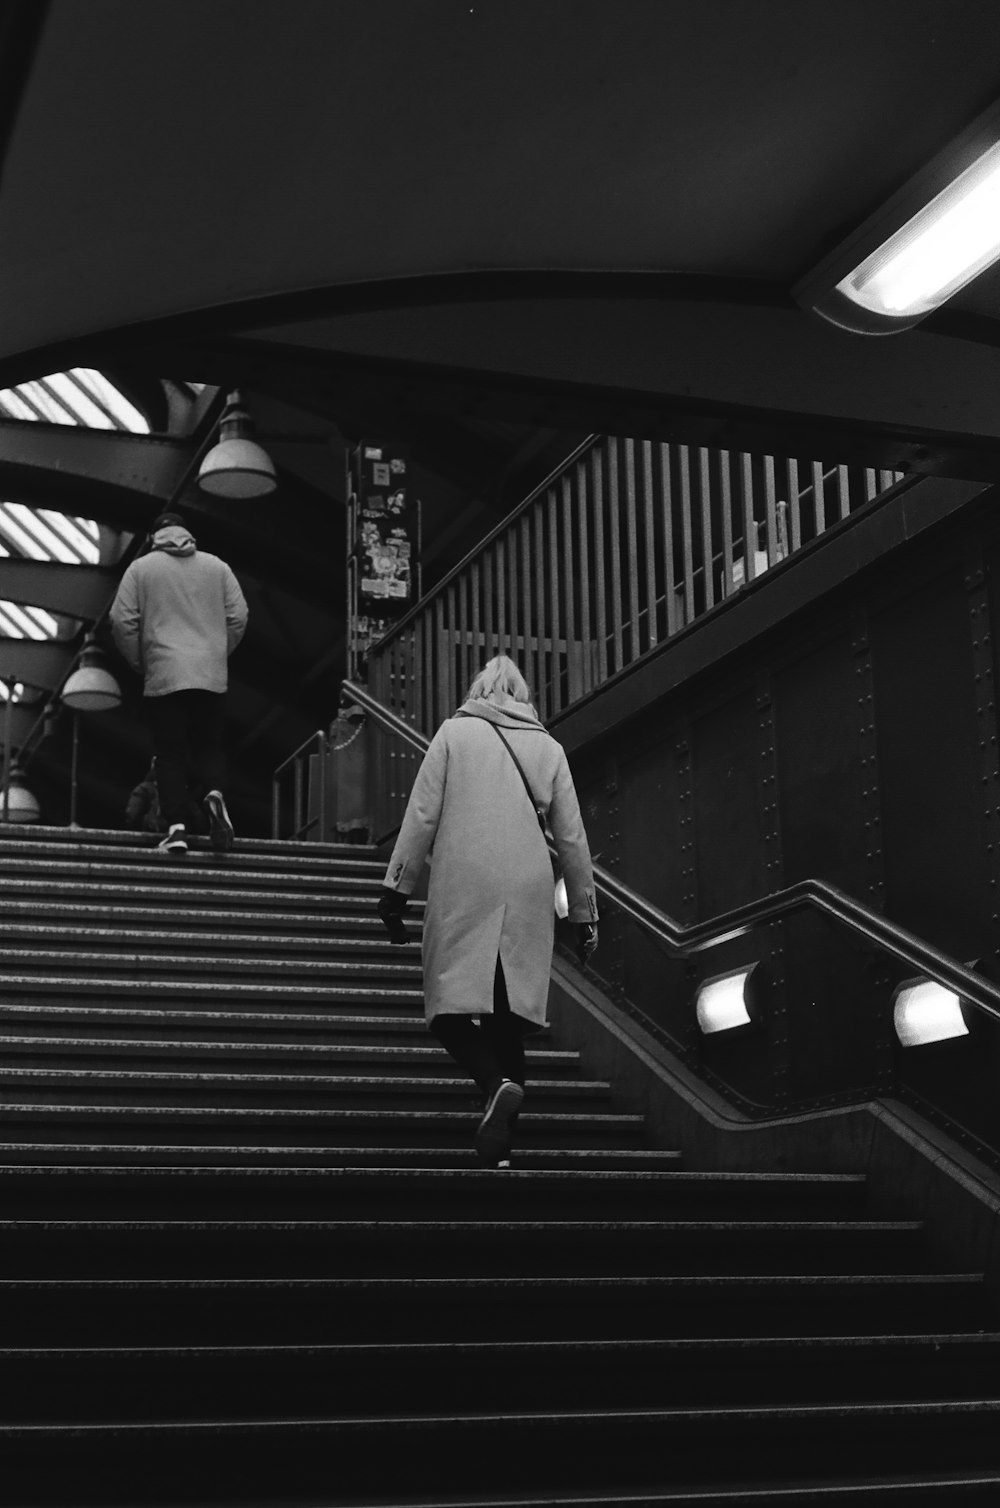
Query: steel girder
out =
(78, 591)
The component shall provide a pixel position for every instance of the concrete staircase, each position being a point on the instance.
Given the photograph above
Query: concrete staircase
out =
(247, 1256)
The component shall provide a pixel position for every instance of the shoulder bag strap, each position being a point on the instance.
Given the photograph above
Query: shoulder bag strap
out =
(539, 813)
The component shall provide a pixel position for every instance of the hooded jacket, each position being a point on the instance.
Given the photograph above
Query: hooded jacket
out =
(490, 887)
(178, 615)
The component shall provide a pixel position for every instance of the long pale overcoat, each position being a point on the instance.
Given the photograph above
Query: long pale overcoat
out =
(490, 884)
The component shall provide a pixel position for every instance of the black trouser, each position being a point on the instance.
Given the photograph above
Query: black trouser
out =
(494, 1049)
(187, 741)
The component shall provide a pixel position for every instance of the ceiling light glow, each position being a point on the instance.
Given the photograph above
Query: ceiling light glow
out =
(943, 247)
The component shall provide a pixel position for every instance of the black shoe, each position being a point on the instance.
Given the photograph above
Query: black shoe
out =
(493, 1134)
(220, 828)
(176, 839)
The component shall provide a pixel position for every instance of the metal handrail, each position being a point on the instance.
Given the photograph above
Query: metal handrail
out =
(496, 533)
(317, 739)
(697, 937)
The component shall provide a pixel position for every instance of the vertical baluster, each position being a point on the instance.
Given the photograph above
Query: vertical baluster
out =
(631, 549)
(476, 655)
(569, 591)
(600, 584)
(428, 675)
(819, 499)
(489, 606)
(749, 518)
(794, 508)
(524, 540)
(726, 514)
(615, 556)
(667, 505)
(500, 560)
(513, 600)
(442, 679)
(707, 546)
(871, 485)
(543, 617)
(770, 503)
(587, 635)
(886, 479)
(649, 542)
(420, 684)
(687, 533)
(555, 607)
(844, 491)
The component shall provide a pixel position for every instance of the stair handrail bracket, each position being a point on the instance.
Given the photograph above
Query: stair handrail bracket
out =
(819, 895)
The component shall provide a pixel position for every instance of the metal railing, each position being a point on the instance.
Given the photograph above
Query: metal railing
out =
(622, 547)
(817, 895)
(303, 786)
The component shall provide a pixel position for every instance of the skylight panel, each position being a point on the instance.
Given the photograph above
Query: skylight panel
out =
(52, 545)
(80, 404)
(126, 415)
(46, 405)
(84, 397)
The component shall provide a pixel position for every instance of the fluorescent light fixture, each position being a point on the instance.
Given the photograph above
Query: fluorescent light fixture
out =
(930, 240)
(926, 1012)
(936, 253)
(561, 898)
(722, 1002)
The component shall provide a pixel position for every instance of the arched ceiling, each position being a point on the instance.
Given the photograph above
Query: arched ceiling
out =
(482, 227)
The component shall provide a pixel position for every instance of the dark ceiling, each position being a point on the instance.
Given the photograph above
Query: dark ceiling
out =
(482, 229)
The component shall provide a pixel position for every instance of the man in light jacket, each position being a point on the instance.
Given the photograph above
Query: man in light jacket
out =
(177, 617)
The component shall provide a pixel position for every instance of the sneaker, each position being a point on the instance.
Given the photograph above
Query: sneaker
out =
(220, 828)
(493, 1134)
(176, 839)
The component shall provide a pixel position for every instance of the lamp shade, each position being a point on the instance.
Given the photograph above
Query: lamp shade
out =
(21, 804)
(90, 687)
(237, 467)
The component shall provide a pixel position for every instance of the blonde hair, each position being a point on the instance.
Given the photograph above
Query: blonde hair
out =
(499, 677)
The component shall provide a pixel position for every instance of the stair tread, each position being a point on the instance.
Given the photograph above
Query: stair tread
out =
(589, 1418)
(327, 1081)
(426, 1287)
(429, 1052)
(19, 958)
(717, 1348)
(664, 1180)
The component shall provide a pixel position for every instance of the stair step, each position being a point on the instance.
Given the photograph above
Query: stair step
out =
(341, 860)
(212, 1382)
(444, 1452)
(324, 1126)
(89, 1154)
(16, 961)
(202, 886)
(433, 1309)
(353, 1248)
(95, 1086)
(67, 938)
(163, 1023)
(517, 1194)
(12, 985)
(50, 1051)
(191, 871)
(361, 922)
(50, 836)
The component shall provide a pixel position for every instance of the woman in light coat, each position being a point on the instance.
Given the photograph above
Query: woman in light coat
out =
(488, 923)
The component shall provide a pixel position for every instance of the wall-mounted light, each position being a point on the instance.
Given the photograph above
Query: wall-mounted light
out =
(237, 467)
(91, 687)
(727, 1001)
(19, 804)
(928, 241)
(924, 1011)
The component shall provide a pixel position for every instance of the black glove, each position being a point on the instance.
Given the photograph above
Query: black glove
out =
(586, 940)
(392, 904)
